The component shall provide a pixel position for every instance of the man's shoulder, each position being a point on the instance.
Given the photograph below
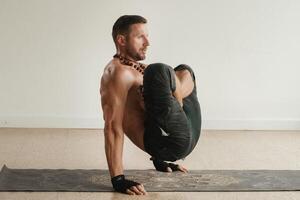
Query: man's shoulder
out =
(115, 72)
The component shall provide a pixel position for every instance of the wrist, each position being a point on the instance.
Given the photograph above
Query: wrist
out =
(117, 178)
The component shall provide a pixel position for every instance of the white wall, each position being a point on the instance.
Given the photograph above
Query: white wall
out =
(245, 54)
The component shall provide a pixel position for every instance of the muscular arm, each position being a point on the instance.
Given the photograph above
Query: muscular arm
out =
(115, 85)
(114, 90)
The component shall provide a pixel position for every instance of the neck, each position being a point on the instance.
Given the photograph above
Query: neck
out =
(126, 56)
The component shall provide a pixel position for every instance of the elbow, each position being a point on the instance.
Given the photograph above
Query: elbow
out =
(112, 128)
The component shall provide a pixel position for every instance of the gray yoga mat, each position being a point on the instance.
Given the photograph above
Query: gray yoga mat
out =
(154, 181)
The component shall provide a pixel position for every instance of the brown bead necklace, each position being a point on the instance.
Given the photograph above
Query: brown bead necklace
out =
(140, 67)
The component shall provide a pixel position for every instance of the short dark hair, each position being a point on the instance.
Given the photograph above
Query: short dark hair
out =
(123, 23)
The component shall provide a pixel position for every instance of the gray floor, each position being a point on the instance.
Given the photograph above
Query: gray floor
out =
(84, 148)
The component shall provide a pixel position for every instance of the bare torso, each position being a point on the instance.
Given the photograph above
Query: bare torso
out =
(134, 115)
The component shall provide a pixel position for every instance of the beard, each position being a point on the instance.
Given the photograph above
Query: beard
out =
(136, 55)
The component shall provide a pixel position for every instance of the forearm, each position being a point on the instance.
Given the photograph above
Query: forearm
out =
(114, 152)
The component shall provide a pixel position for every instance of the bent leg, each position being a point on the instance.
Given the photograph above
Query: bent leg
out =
(166, 136)
(191, 105)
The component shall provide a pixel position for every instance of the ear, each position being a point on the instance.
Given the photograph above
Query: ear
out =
(121, 40)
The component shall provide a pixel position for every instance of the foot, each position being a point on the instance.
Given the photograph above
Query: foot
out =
(164, 166)
(186, 82)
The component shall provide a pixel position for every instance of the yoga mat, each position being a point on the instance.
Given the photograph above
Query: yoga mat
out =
(96, 180)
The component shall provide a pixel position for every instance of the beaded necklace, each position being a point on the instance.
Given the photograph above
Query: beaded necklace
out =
(140, 67)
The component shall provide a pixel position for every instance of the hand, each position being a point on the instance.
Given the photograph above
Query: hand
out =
(136, 190)
(120, 184)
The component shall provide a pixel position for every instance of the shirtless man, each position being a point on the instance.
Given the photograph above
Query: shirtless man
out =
(126, 105)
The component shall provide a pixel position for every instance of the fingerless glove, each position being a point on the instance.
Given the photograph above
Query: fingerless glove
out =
(120, 184)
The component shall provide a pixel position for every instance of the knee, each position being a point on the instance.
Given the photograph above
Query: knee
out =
(159, 75)
(159, 71)
(157, 68)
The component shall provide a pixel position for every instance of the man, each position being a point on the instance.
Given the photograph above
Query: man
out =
(154, 105)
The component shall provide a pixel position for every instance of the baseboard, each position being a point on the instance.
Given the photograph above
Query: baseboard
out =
(252, 124)
(97, 123)
(50, 122)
